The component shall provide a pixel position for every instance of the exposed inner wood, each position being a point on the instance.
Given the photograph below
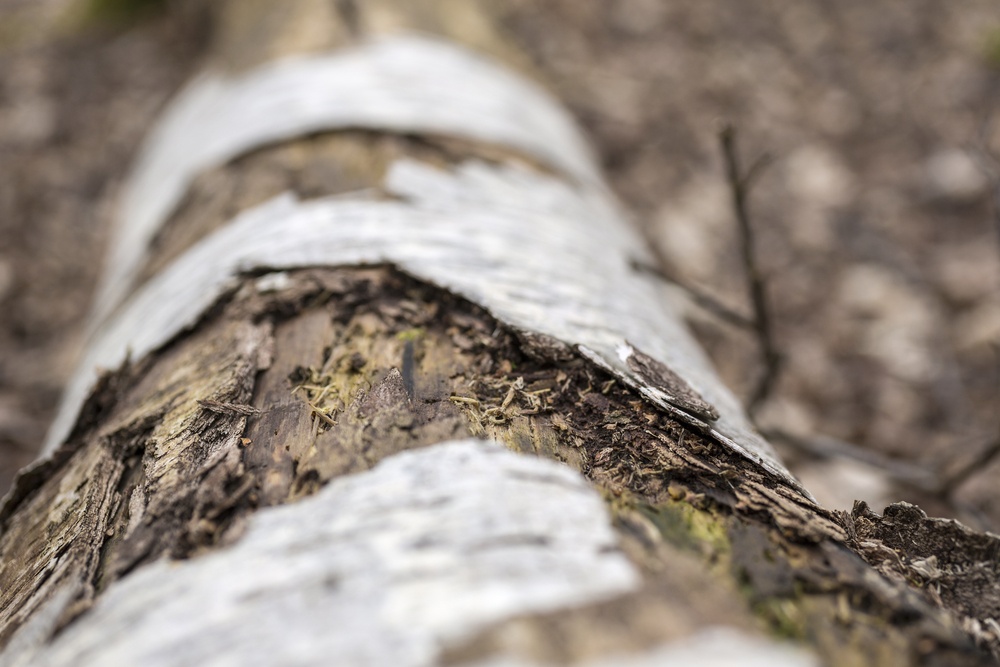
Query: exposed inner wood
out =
(278, 392)
(253, 32)
(349, 161)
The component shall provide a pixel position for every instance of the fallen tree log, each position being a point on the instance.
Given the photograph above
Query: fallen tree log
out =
(336, 277)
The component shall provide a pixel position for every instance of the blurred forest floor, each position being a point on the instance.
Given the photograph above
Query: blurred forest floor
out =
(874, 223)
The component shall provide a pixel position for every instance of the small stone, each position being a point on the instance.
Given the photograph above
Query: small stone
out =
(817, 175)
(953, 176)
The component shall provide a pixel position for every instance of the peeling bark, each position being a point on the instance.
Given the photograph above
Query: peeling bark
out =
(217, 456)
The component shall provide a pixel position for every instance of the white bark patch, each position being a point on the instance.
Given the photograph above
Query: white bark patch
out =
(401, 84)
(381, 568)
(540, 255)
(714, 647)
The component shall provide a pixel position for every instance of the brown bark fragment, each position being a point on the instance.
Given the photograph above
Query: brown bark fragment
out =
(680, 392)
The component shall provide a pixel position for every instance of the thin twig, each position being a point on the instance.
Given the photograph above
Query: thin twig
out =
(319, 412)
(827, 447)
(702, 299)
(957, 477)
(942, 484)
(739, 185)
(989, 164)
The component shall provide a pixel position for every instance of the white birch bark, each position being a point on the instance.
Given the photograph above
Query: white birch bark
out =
(541, 254)
(392, 565)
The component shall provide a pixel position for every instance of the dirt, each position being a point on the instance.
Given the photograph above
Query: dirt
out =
(874, 226)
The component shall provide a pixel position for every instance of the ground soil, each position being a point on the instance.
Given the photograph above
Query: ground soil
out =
(874, 225)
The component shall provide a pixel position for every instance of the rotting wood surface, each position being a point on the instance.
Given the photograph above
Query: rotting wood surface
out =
(342, 368)
(288, 384)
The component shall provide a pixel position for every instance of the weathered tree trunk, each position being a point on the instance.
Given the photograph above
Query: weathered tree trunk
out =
(285, 458)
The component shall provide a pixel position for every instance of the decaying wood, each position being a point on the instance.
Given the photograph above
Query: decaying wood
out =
(336, 344)
(296, 380)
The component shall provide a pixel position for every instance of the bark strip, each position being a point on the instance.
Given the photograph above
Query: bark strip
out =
(474, 290)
